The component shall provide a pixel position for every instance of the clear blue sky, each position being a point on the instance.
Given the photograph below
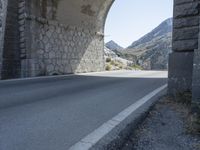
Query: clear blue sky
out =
(129, 20)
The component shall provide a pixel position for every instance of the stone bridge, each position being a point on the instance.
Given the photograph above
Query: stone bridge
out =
(47, 37)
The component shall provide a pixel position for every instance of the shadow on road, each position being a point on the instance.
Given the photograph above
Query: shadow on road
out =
(20, 92)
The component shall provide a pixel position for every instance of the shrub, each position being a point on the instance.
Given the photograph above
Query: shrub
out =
(108, 67)
(137, 67)
(112, 62)
(129, 68)
(116, 64)
(120, 67)
(108, 59)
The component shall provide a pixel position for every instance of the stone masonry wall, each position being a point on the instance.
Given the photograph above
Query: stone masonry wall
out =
(185, 40)
(186, 25)
(60, 49)
(3, 12)
(11, 53)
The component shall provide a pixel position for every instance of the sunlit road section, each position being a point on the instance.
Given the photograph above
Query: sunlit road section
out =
(54, 113)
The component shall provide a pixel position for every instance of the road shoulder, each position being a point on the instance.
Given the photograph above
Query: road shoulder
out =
(166, 127)
(116, 130)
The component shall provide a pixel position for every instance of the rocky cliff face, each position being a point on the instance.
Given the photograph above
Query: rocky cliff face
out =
(151, 51)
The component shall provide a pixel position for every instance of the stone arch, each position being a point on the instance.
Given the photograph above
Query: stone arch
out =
(66, 36)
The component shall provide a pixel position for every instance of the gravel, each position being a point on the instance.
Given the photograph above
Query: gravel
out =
(165, 128)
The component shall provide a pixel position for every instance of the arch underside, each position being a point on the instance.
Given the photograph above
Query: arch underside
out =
(47, 37)
(63, 36)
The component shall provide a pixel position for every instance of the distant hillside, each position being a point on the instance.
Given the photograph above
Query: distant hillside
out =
(114, 62)
(151, 51)
(113, 46)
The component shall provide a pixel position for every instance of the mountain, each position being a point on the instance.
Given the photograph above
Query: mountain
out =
(152, 50)
(114, 62)
(109, 53)
(164, 28)
(113, 46)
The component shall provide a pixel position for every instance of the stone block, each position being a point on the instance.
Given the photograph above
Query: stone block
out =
(180, 72)
(185, 45)
(186, 33)
(186, 10)
(178, 2)
(186, 22)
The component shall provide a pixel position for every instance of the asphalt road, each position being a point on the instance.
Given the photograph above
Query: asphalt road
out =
(55, 113)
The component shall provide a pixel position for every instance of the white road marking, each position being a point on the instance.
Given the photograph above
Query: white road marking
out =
(91, 139)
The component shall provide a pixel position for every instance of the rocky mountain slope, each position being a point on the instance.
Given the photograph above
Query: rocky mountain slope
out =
(113, 46)
(114, 62)
(151, 51)
(109, 53)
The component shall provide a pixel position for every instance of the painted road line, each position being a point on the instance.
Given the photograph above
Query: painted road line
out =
(91, 139)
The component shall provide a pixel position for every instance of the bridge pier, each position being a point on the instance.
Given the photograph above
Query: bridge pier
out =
(3, 14)
(11, 52)
(185, 41)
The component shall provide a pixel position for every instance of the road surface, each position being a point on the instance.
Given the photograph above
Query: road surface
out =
(55, 113)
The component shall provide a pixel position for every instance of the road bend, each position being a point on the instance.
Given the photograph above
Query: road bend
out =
(54, 113)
